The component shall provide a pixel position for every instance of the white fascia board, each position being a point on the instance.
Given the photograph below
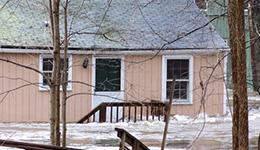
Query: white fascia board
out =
(120, 52)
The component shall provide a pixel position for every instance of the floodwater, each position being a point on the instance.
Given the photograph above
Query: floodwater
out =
(210, 133)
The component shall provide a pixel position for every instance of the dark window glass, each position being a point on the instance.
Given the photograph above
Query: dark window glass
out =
(183, 94)
(108, 72)
(62, 63)
(44, 82)
(180, 70)
(180, 90)
(47, 66)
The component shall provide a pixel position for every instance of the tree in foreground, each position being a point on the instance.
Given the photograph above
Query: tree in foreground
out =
(238, 54)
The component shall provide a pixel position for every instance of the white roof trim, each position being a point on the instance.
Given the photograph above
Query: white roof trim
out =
(119, 52)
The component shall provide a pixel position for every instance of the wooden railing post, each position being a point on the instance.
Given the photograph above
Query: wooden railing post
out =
(111, 114)
(147, 112)
(123, 119)
(135, 114)
(103, 113)
(141, 115)
(135, 146)
(129, 113)
(117, 113)
(122, 143)
(152, 110)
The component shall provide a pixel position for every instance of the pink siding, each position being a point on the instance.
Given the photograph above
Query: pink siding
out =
(29, 104)
(143, 81)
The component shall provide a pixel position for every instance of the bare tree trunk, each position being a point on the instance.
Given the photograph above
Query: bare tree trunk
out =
(241, 78)
(233, 44)
(56, 77)
(65, 75)
(51, 18)
(238, 54)
(168, 113)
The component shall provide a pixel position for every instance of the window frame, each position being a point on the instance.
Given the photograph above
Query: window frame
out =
(165, 58)
(46, 87)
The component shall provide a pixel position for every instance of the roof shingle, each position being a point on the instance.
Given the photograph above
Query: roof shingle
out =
(121, 24)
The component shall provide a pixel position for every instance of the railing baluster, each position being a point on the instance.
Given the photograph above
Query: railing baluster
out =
(123, 113)
(94, 119)
(147, 112)
(111, 113)
(129, 113)
(163, 110)
(135, 115)
(141, 117)
(159, 112)
(152, 110)
(117, 111)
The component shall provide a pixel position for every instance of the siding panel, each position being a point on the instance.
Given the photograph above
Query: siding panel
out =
(29, 103)
(143, 82)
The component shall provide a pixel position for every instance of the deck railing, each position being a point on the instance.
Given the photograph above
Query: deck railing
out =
(128, 139)
(31, 146)
(122, 111)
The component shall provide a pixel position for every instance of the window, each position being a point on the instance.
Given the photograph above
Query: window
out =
(46, 66)
(108, 74)
(46, 69)
(180, 68)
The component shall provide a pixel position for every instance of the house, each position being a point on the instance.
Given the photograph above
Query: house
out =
(119, 50)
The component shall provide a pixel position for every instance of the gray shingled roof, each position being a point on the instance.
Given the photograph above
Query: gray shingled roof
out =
(121, 24)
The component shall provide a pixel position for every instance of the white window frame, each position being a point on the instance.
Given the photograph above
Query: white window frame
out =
(46, 87)
(164, 77)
